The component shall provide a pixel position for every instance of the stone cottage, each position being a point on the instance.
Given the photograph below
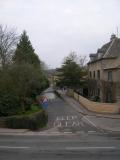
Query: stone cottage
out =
(104, 72)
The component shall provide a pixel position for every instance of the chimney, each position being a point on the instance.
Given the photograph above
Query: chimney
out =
(92, 57)
(113, 36)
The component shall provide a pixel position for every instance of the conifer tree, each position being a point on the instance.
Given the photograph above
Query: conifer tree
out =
(71, 72)
(25, 52)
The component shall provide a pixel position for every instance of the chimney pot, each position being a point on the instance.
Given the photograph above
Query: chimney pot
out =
(113, 36)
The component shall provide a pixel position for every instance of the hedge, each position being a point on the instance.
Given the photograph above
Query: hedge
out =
(33, 121)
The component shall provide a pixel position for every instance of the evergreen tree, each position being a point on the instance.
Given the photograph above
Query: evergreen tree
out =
(25, 52)
(23, 80)
(71, 73)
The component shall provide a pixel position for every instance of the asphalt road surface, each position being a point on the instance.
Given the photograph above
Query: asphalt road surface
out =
(64, 118)
(68, 147)
(70, 138)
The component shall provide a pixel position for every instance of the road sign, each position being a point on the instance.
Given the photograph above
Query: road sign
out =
(45, 103)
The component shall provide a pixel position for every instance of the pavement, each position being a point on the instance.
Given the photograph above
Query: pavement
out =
(107, 122)
(8, 131)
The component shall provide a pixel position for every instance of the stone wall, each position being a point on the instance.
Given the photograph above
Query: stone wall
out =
(96, 106)
(76, 96)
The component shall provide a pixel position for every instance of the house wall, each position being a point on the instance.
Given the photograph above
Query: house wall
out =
(95, 67)
(109, 64)
(104, 66)
(117, 75)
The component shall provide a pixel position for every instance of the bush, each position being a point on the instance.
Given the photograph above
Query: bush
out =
(95, 98)
(9, 104)
(19, 86)
(33, 121)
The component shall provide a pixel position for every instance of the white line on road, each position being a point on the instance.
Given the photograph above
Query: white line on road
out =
(91, 131)
(88, 148)
(13, 147)
(67, 132)
(66, 124)
(57, 124)
(90, 121)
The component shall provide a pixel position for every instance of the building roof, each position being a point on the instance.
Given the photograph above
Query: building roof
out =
(108, 50)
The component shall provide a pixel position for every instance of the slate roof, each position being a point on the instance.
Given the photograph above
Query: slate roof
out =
(108, 50)
(114, 50)
(104, 48)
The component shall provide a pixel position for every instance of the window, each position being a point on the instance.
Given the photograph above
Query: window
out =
(90, 74)
(98, 74)
(110, 76)
(94, 74)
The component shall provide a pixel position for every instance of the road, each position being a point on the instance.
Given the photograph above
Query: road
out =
(70, 138)
(68, 147)
(64, 118)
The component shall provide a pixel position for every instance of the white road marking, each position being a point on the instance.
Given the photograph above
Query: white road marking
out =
(57, 118)
(57, 124)
(67, 132)
(66, 123)
(89, 148)
(56, 134)
(91, 131)
(67, 118)
(90, 122)
(66, 148)
(48, 132)
(75, 124)
(13, 147)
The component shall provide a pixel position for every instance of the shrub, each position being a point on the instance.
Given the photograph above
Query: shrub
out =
(19, 85)
(9, 104)
(33, 121)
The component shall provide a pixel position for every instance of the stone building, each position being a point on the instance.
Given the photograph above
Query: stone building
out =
(104, 72)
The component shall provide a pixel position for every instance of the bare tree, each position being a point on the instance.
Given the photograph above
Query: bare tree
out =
(8, 41)
(71, 57)
(82, 60)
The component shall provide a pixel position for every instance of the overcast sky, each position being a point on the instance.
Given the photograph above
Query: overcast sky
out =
(57, 27)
